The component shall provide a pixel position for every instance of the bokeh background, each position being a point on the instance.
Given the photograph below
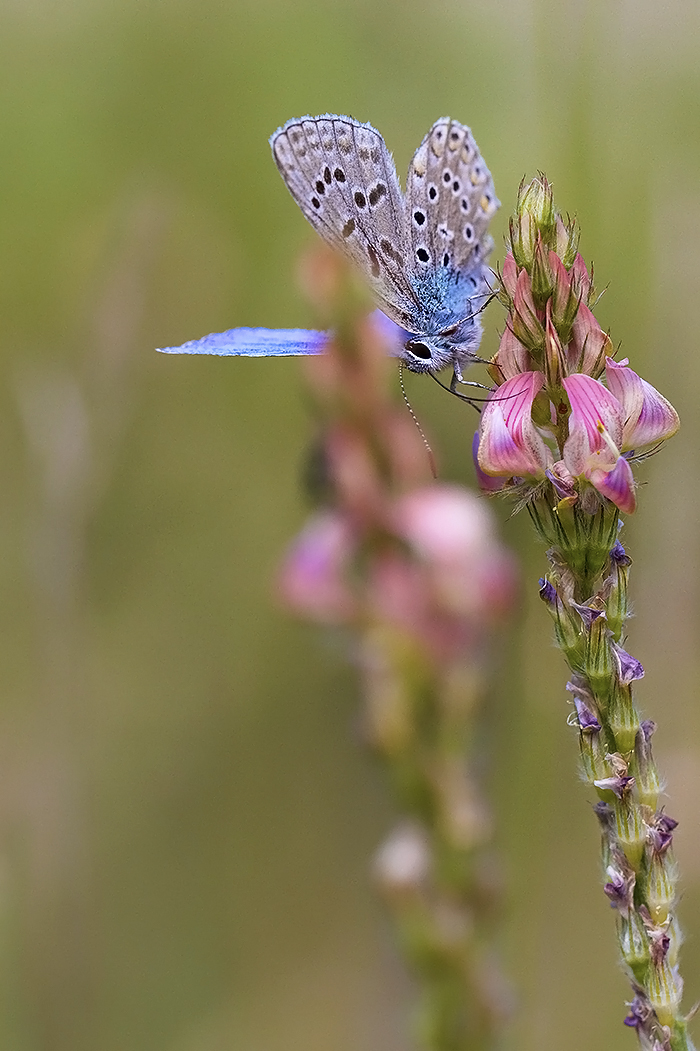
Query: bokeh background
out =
(187, 811)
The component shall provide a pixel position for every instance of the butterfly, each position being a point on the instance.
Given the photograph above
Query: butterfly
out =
(423, 252)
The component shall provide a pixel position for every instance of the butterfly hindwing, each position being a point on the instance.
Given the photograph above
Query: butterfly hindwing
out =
(450, 200)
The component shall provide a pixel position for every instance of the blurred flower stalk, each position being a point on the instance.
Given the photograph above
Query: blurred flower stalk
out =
(561, 435)
(413, 573)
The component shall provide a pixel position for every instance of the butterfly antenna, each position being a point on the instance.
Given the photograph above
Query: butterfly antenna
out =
(431, 455)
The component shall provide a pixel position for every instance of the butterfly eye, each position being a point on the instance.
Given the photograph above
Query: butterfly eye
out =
(419, 350)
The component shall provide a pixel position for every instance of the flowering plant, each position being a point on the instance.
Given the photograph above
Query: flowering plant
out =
(413, 573)
(554, 419)
(561, 433)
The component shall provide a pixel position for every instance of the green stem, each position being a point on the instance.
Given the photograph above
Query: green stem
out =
(589, 575)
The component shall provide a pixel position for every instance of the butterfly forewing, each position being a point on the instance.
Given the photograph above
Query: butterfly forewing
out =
(343, 178)
(450, 200)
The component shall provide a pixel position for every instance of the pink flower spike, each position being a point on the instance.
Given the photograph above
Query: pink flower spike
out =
(509, 442)
(617, 485)
(595, 426)
(649, 417)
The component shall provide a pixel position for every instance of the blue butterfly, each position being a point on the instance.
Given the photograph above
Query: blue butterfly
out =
(423, 253)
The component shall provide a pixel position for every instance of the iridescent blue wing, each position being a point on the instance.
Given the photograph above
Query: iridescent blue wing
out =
(255, 343)
(280, 342)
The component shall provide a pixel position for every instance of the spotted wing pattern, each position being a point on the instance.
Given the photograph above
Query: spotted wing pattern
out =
(343, 178)
(450, 200)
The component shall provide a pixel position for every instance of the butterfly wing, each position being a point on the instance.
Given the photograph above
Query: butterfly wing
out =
(281, 342)
(450, 200)
(255, 343)
(343, 178)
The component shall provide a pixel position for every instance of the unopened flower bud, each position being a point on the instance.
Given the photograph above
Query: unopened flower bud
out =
(623, 718)
(565, 298)
(615, 587)
(634, 944)
(589, 345)
(509, 275)
(554, 358)
(566, 240)
(510, 359)
(606, 818)
(665, 989)
(526, 325)
(646, 773)
(541, 274)
(660, 887)
(630, 829)
(599, 662)
(568, 632)
(535, 219)
(595, 767)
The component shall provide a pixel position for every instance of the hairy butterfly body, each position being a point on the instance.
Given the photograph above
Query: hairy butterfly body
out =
(423, 252)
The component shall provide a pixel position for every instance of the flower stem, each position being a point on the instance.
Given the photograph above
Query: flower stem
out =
(412, 568)
(586, 595)
(434, 869)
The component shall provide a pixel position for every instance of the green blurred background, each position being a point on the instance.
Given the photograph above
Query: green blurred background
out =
(187, 812)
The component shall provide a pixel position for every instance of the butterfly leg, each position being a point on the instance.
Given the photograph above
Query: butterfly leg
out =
(456, 377)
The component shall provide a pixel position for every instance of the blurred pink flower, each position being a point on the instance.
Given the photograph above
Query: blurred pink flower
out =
(452, 581)
(313, 576)
(452, 533)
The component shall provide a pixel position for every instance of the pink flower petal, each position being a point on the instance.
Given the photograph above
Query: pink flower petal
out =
(617, 485)
(649, 417)
(512, 357)
(488, 483)
(595, 426)
(510, 274)
(509, 443)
